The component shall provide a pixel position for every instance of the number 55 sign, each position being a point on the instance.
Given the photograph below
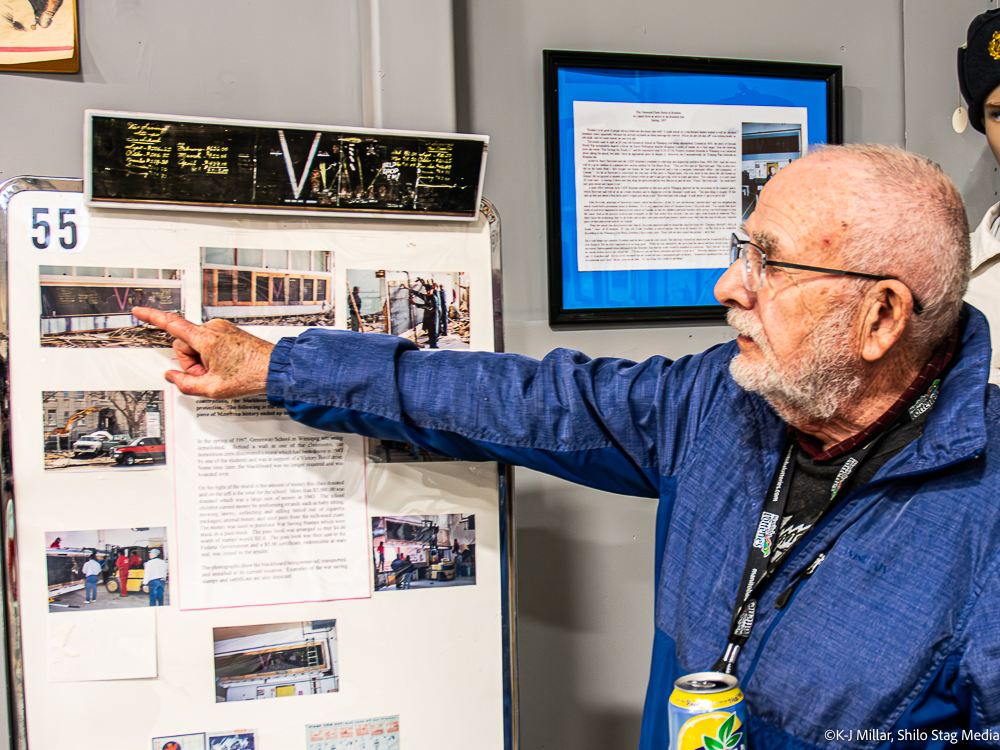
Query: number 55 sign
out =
(52, 223)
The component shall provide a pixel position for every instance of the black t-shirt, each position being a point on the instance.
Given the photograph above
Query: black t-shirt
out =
(812, 481)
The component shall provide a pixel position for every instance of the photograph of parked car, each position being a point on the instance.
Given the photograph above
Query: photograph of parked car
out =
(98, 443)
(102, 430)
(141, 449)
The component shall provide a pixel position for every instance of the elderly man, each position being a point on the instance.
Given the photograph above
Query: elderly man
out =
(828, 522)
(154, 577)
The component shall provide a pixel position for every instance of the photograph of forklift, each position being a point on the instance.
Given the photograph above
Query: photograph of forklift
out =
(102, 429)
(422, 552)
(275, 661)
(121, 560)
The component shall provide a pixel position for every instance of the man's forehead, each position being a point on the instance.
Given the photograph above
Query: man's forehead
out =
(804, 208)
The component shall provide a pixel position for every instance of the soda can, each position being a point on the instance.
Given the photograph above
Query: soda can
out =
(707, 711)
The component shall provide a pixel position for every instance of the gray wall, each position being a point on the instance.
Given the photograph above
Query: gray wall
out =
(297, 62)
(585, 558)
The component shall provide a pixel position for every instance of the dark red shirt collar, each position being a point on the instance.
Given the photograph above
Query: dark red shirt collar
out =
(934, 367)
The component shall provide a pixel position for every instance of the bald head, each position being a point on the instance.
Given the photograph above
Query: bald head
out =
(898, 214)
(832, 351)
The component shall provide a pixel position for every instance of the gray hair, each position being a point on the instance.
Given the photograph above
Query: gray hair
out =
(906, 219)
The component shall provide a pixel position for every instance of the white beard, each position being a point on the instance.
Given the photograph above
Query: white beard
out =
(825, 375)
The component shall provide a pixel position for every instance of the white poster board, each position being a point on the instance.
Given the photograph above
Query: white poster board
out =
(270, 545)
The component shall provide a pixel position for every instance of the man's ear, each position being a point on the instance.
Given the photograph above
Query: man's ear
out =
(888, 309)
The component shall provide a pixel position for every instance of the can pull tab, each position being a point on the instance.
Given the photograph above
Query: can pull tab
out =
(782, 601)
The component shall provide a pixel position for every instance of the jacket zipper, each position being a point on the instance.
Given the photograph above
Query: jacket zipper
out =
(785, 595)
(789, 592)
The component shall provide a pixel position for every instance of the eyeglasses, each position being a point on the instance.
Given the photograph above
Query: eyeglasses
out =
(755, 262)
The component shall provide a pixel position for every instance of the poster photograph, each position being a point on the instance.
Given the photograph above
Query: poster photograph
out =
(255, 287)
(366, 734)
(33, 31)
(423, 552)
(180, 742)
(242, 739)
(766, 148)
(397, 452)
(276, 661)
(91, 306)
(429, 308)
(107, 569)
(103, 430)
(240, 165)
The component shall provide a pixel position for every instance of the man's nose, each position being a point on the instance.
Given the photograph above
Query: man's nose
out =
(731, 291)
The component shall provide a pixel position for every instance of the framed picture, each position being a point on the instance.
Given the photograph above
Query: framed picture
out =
(39, 36)
(653, 161)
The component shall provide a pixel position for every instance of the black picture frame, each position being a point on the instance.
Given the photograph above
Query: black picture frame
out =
(820, 85)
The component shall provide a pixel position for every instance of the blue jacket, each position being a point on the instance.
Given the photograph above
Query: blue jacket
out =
(897, 633)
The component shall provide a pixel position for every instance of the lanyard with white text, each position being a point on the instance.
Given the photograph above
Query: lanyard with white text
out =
(761, 561)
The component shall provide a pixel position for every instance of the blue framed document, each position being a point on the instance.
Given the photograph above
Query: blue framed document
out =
(651, 163)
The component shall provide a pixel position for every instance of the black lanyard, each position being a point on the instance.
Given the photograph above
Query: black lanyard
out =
(762, 561)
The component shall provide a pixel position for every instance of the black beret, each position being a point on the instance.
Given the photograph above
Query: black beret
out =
(979, 64)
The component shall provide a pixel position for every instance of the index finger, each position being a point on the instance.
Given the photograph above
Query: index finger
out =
(172, 323)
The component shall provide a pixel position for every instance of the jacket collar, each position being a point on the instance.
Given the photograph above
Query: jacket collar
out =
(956, 427)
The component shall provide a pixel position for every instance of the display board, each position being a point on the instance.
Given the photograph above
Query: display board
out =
(176, 565)
(181, 162)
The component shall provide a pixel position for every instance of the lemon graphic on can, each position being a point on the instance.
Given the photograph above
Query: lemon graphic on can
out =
(717, 730)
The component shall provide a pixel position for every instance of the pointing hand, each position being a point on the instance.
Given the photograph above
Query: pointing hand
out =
(218, 360)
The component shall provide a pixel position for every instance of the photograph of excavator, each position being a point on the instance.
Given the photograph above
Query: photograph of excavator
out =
(103, 429)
